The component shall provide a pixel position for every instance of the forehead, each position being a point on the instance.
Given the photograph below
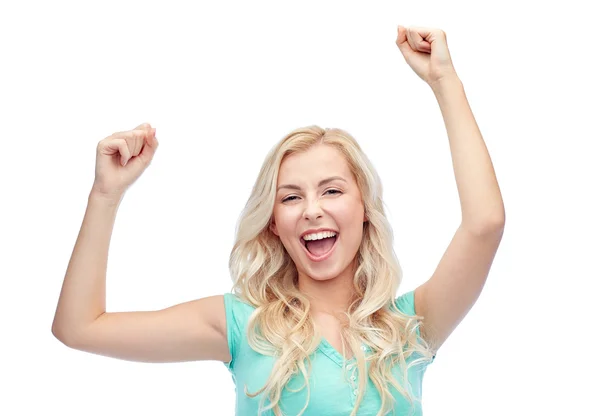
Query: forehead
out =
(309, 167)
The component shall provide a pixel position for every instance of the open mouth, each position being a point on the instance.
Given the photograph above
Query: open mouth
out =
(320, 249)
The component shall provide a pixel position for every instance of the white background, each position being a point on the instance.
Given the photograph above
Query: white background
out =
(222, 82)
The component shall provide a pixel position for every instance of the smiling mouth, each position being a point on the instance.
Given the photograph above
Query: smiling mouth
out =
(318, 250)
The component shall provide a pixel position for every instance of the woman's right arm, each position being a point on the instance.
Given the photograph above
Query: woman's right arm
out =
(190, 331)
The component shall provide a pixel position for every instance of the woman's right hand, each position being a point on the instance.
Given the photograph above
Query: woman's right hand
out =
(121, 158)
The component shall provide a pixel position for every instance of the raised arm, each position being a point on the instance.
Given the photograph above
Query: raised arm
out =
(446, 298)
(194, 330)
(450, 293)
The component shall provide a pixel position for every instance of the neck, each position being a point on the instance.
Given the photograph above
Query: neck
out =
(332, 296)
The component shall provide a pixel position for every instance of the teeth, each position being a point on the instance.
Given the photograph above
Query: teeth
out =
(319, 236)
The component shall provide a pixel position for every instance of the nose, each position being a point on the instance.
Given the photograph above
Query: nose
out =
(313, 210)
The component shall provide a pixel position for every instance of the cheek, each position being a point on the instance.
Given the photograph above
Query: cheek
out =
(287, 221)
(348, 213)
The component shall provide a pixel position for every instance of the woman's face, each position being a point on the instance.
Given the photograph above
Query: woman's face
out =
(318, 213)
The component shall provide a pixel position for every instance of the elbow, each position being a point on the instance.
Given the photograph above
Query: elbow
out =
(491, 226)
(60, 334)
(495, 228)
(72, 334)
(65, 336)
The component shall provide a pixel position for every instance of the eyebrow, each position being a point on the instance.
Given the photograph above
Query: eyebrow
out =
(323, 182)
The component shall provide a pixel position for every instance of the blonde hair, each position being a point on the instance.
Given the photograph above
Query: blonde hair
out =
(281, 325)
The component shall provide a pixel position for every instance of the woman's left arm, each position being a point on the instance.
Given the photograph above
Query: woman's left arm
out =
(448, 295)
(456, 284)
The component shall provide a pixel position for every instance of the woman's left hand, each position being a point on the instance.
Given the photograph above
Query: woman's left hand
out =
(426, 52)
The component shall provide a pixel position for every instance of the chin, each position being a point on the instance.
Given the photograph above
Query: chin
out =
(323, 275)
(323, 271)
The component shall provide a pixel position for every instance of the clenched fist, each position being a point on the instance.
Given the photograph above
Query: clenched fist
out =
(121, 158)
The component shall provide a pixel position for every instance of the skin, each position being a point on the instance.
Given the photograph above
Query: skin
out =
(335, 205)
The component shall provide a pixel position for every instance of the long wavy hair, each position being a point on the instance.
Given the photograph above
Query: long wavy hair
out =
(265, 276)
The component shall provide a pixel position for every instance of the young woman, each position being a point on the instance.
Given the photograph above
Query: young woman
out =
(313, 325)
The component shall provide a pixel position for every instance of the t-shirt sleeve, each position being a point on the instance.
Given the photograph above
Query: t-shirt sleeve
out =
(406, 304)
(236, 315)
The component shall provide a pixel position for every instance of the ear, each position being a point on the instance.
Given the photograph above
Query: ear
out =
(273, 227)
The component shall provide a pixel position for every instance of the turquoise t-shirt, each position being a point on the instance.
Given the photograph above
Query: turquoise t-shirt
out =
(332, 392)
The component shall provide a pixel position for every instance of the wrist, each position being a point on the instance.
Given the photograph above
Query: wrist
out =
(446, 83)
(448, 90)
(105, 198)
